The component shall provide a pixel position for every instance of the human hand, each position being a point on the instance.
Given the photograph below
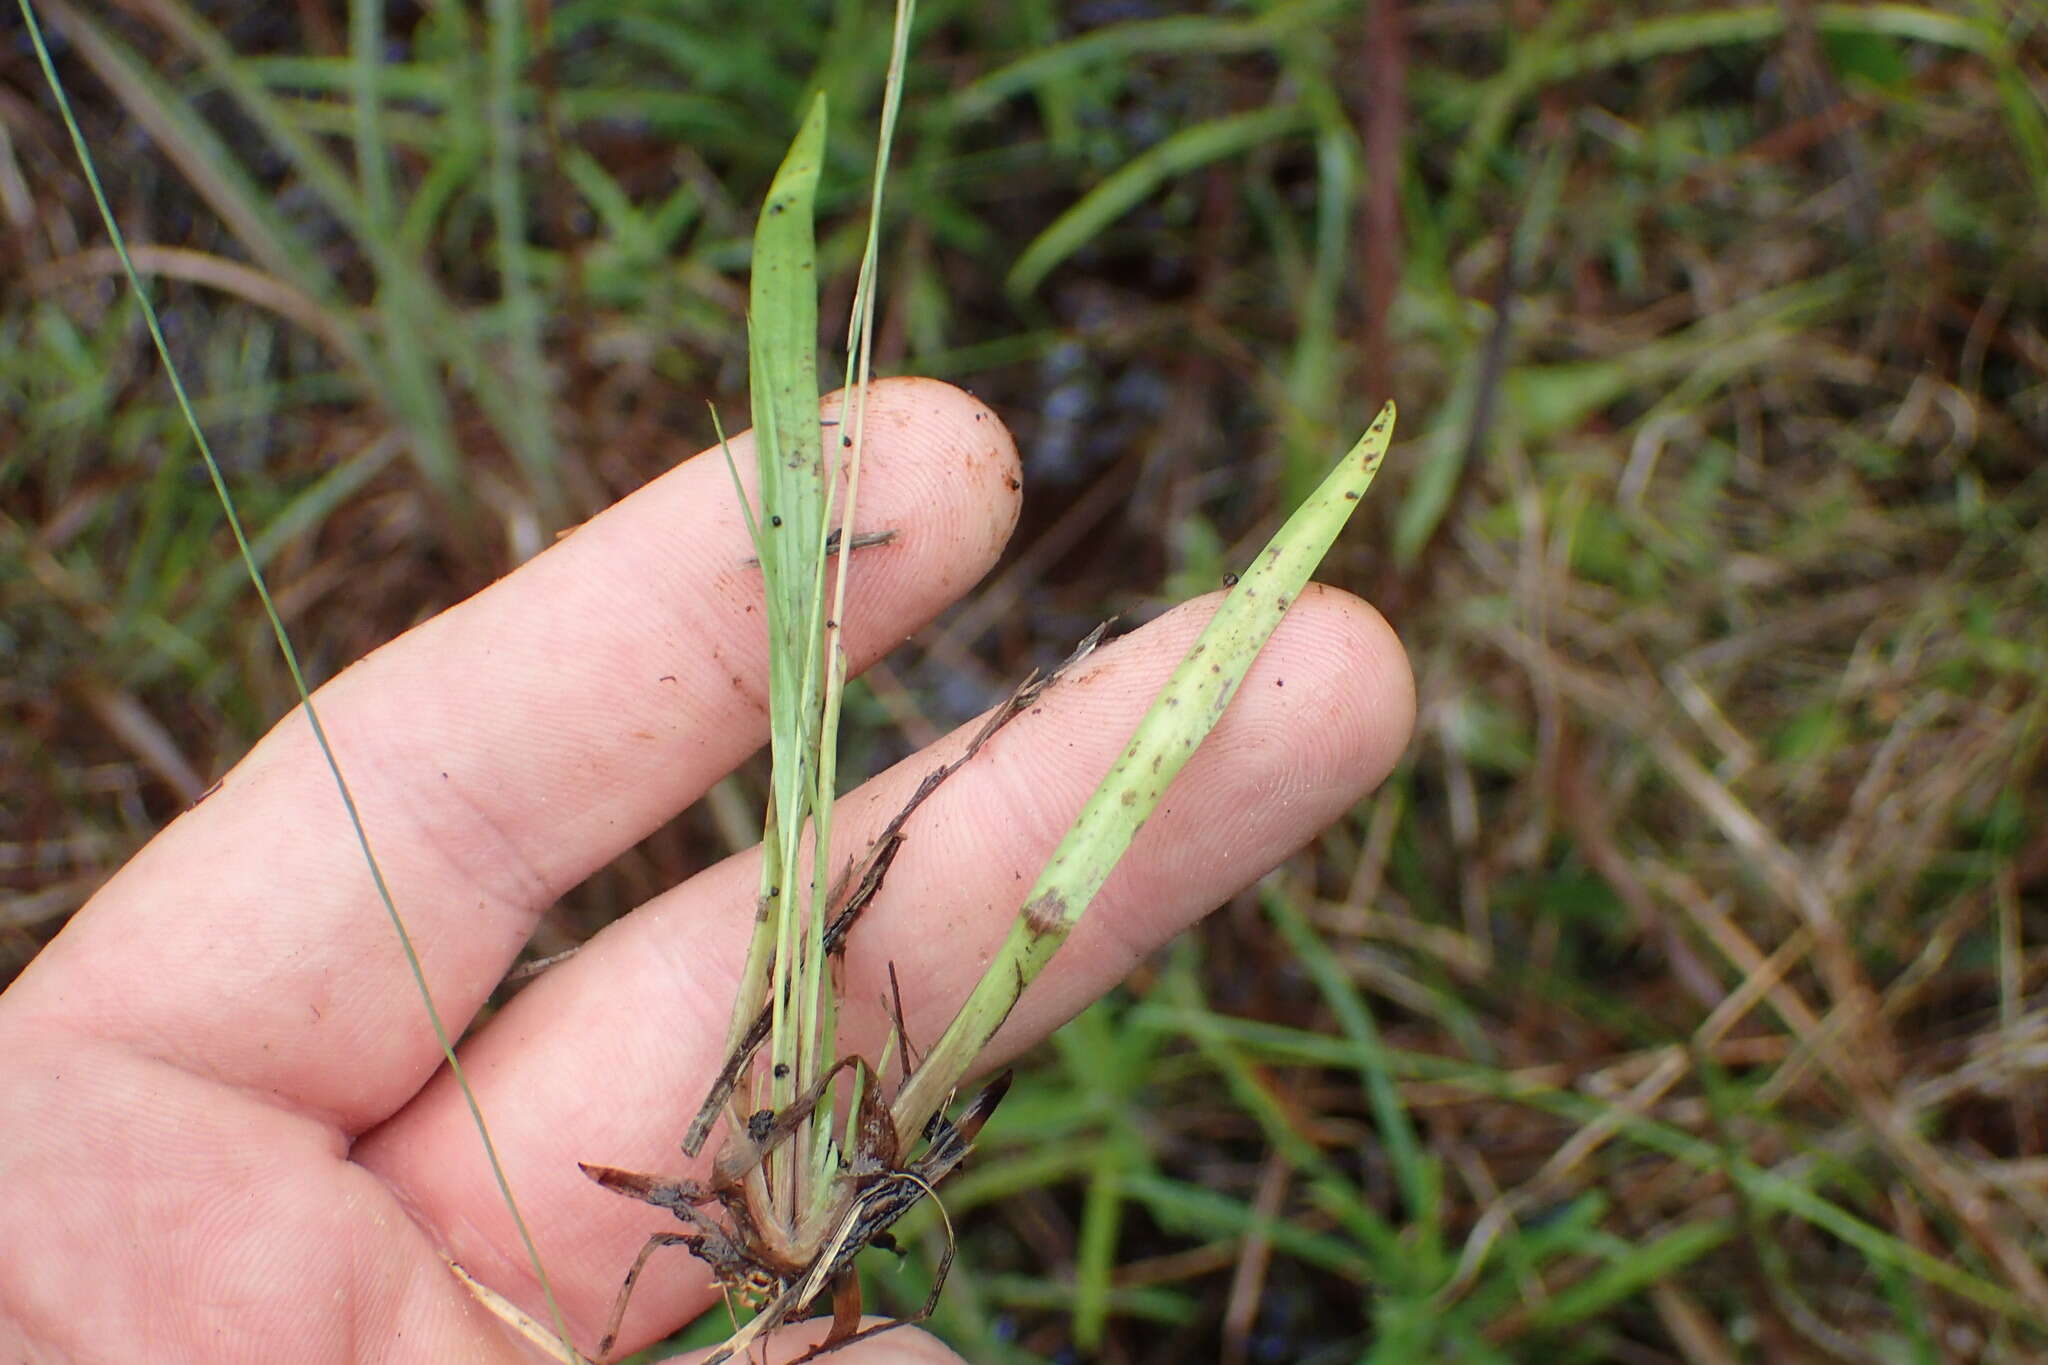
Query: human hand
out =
(230, 1135)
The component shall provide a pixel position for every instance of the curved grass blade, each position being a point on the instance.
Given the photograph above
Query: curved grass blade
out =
(1124, 190)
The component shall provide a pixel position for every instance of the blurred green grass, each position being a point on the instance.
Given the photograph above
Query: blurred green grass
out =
(1680, 998)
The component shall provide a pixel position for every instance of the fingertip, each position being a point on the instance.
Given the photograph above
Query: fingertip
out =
(1370, 684)
(939, 446)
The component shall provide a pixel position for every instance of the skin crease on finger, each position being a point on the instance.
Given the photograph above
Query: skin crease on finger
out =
(143, 1164)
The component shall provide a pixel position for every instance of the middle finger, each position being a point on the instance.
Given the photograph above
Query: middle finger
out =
(605, 1059)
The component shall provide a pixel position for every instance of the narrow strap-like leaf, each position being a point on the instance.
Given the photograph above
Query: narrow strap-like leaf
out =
(1182, 715)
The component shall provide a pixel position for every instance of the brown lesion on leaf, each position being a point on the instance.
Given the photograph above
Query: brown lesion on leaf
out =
(1045, 914)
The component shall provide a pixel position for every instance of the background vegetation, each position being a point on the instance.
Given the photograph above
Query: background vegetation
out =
(1683, 998)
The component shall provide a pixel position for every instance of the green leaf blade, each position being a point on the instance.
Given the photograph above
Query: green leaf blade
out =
(1181, 716)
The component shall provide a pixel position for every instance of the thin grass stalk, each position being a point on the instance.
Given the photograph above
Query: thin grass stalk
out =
(853, 409)
(290, 655)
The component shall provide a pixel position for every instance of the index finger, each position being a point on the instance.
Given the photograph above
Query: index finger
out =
(499, 753)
